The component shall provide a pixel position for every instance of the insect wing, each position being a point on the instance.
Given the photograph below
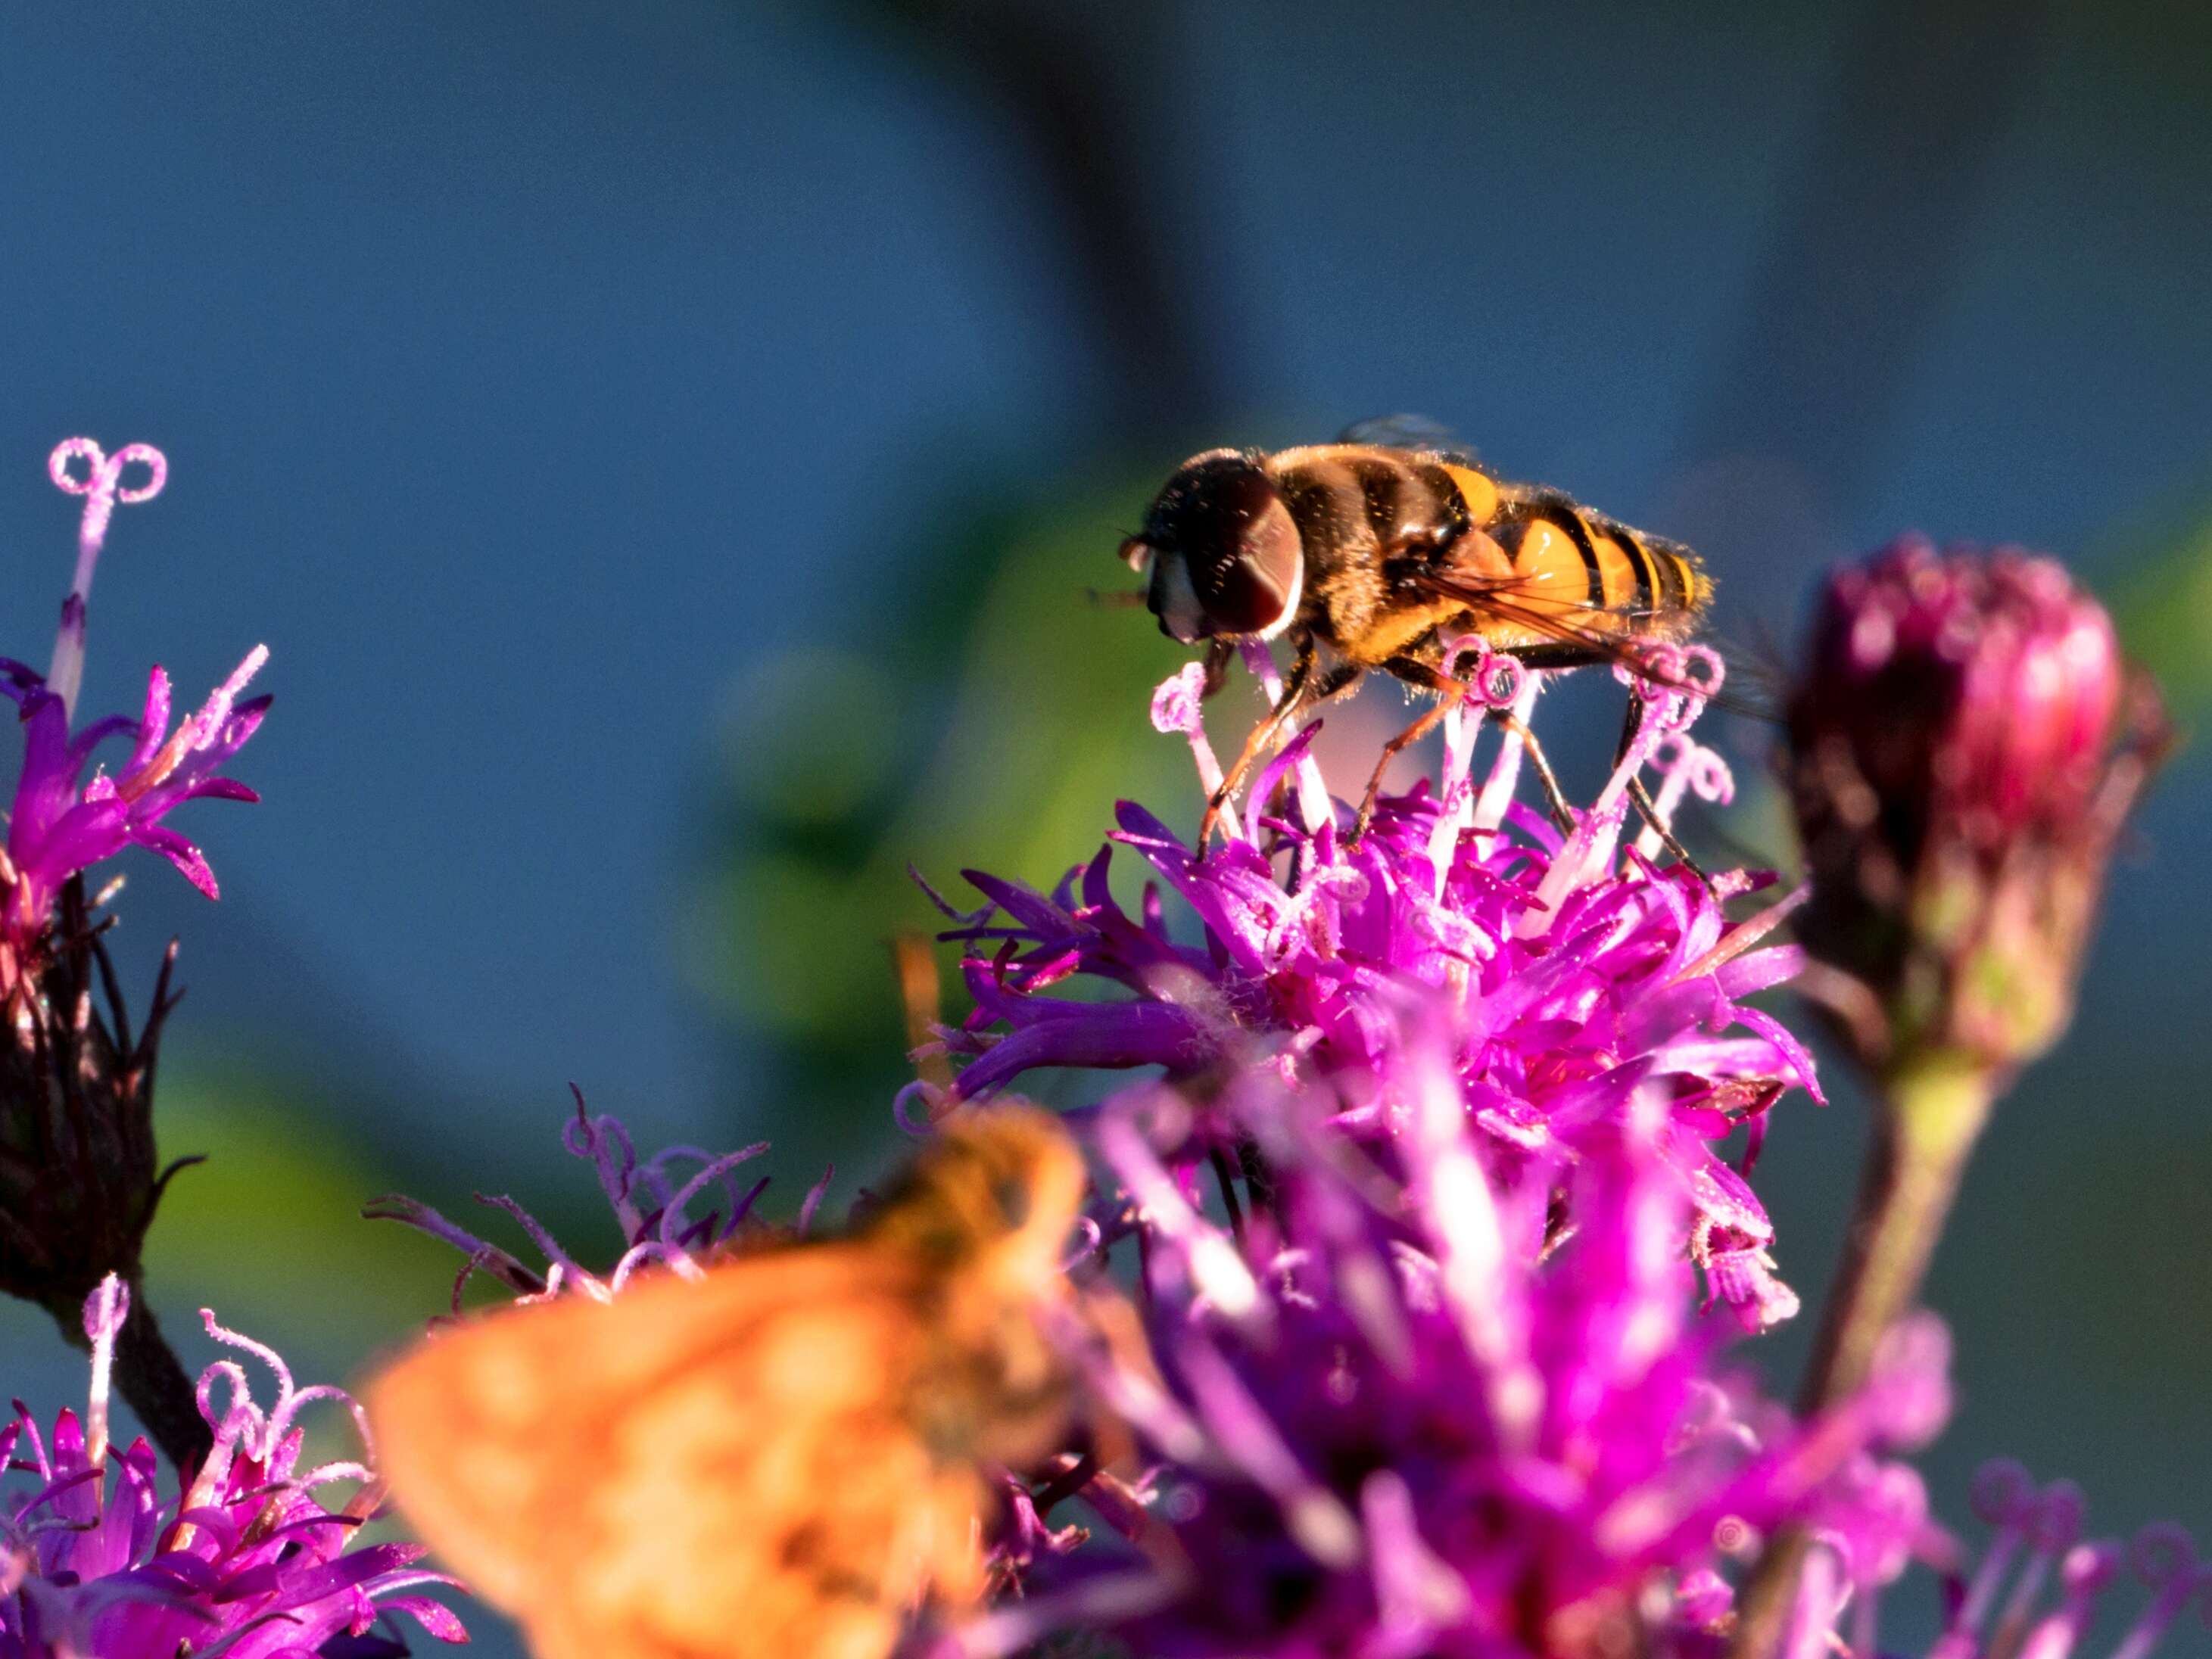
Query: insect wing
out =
(1413, 432)
(716, 1466)
(1583, 633)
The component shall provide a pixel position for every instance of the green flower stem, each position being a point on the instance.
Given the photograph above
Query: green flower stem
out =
(1934, 1107)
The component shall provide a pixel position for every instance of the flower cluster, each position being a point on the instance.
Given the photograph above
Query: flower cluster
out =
(1395, 1412)
(1435, 1384)
(247, 1561)
(1572, 971)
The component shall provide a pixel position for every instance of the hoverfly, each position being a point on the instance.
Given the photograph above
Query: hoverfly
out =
(1379, 548)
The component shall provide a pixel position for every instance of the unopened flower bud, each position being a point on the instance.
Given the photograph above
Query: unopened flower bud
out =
(1965, 743)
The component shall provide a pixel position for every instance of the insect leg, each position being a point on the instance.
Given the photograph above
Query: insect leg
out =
(1345, 676)
(1449, 691)
(1334, 683)
(1064, 1485)
(1116, 598)
(1554, 797)
(1628, 726)
(1649, 810)
(1646, 808)
(1294, 691)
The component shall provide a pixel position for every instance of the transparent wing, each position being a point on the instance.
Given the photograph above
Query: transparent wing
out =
(1416, 432)
(1576, 626)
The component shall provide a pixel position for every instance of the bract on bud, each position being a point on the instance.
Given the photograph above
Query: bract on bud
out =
(1965, 743)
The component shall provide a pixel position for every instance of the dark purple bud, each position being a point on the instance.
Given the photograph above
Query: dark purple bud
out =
(1964, 743)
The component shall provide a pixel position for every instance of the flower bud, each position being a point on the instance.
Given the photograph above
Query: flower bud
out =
(1964, 745)
(78, 1180)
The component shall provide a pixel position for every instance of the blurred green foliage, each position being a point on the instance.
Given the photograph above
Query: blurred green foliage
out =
(987, 715)
(268, 1231)
(2163, 604)
(270, 1225)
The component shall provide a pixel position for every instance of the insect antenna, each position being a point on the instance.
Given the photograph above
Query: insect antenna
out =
(921, 997)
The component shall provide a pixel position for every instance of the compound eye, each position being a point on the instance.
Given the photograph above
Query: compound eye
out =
(1252, 582)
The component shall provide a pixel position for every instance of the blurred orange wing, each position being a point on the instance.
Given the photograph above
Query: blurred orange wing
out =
(725, 1467)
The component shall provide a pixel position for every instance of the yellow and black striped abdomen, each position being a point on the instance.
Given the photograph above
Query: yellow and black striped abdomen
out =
(1599, 575)
(1400, 545)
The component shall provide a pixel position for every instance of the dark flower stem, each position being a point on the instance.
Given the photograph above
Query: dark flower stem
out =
(1933, 1109)
(153, 1381)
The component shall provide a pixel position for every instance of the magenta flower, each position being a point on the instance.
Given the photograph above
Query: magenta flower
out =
(248, 1562)
(79, 1178)
(1406, 1413)
(61, 824)
(1575, 970)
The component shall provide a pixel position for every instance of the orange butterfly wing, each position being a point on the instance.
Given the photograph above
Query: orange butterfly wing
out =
(724, 1466)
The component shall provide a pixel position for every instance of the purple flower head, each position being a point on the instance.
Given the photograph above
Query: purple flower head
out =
(652, 1200)
(1406, 1408)
(248, 1562)
(1573, 972)
(1966, 743)
(60, 823)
